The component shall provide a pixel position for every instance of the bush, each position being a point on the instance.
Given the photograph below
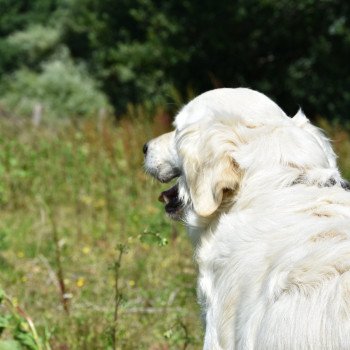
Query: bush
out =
(295, 51)
(38, 67)
(62, 88)
(34, 43)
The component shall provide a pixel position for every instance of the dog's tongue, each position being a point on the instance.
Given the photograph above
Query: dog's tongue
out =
(169, 195)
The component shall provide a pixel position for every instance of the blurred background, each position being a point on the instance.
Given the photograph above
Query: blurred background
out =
(87, 258)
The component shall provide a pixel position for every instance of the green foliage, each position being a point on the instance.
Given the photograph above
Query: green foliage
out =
(141, 51)
(86, 181)
(35, 43)
(40, 71)
(156, 233)
(133, 59)
(3, 240)
(17, 16)
(62, 88)
(10, 345)
(295, 51)
(19, 326)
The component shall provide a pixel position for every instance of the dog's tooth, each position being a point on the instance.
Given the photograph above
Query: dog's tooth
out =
(166, 200)
(162, 198)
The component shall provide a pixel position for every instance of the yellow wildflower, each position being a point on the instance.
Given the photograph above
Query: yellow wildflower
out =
(100, 203)
(80, 282)
(131, 283)
(86, 199)
(86, 250)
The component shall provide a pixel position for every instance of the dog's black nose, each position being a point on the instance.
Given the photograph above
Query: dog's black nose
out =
(145, 148)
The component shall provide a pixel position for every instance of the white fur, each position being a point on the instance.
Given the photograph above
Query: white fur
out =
(162, 164)
(269, 218)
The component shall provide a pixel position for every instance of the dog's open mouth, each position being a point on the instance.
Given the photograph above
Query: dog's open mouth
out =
(173, 205)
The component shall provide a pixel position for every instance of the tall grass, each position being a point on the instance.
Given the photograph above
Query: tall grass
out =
(85, 247)
(69, 196)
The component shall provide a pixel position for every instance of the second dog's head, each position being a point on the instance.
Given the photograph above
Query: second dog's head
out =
(226, 135)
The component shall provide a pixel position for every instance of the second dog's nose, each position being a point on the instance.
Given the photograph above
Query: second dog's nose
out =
(145, 148)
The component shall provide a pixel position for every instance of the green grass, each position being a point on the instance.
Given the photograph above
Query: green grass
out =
(85, 184)
(80, 190)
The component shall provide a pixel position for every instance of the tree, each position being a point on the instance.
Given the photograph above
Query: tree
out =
(295, 51)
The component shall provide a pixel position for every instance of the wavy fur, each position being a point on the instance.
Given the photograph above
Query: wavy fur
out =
(269, 216)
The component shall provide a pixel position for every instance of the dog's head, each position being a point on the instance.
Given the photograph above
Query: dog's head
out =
(225, 134)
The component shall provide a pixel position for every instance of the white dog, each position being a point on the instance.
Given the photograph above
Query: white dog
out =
(269, 215)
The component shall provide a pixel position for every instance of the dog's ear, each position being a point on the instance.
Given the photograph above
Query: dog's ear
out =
(208, 181)
(209, 168)
(302, 122)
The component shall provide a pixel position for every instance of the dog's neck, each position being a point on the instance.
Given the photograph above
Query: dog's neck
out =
(277, 178)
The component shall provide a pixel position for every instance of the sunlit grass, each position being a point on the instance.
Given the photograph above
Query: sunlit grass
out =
(87, 182)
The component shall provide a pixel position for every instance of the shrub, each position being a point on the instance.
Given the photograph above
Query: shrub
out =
(35, 42)
(61, 87)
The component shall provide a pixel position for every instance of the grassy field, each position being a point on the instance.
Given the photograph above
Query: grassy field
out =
(70, 196)
(73, 198)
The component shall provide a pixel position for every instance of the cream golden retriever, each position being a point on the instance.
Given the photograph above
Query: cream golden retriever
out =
(269, 216)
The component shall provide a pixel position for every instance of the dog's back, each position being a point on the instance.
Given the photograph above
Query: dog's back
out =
(277, 274)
